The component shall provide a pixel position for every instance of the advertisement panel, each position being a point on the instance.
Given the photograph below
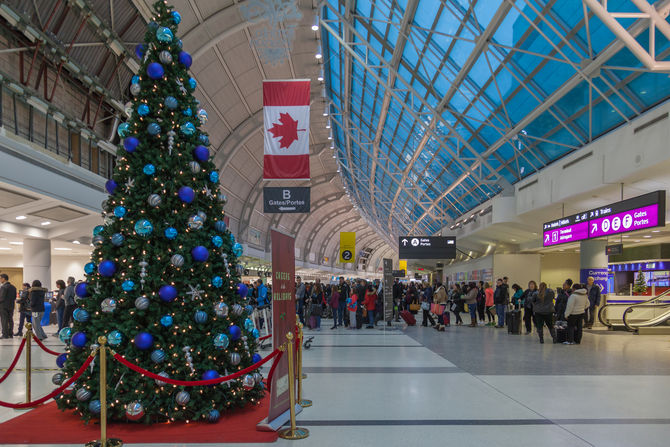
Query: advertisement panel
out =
(599, 278)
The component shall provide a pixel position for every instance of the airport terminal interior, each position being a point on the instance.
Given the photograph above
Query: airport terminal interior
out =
(334, 222)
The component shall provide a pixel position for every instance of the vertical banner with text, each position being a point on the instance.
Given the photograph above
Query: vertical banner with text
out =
(283, 316)
(388, 289)
(347, 246)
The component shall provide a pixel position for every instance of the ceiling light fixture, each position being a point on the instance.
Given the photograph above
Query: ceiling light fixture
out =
(315, 25)
(5, 248)
(76, 242)
(45, 223)
(16, 243)
(62, 249)
(318, 55)
(21, 217)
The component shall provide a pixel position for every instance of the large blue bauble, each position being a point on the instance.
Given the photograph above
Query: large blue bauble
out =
(255, 333)
(235, 332)
(238, 249)
(143, 227)
(163, 34)
(186, 194)
(123, 130)
(81, 315)
(155, 70)
(185, 59)
(153, 129)
(94, 406)
(61, 359)
(140, 48)
(249, 325)
(167, 293)
(242, 290)
(213, 416)
(176, 17)
(192, 83)
(199, 253)
(81, 290)
(149, 169)
(201, 153)
(187, 129)
(200, 316)
(135, 79)
(98, 229)
(256, 358)
(130, 144)
(217, 281)
(117, 239)
(170, 233)
(119, 211)
(79, 340)
(110, 186)
(128, 285)
(214, 177)
(248, 309)
(204, 139)
(65, 334)
(157, 356)
(114, 338)
(171, 102)
(221, 341)
(143, 110)
(107, 268)
(220, 226)
(187, 112)
(210, 374)
(89, 268)
(217, 241)
(232, 238)
(144, 341)
(166, 320)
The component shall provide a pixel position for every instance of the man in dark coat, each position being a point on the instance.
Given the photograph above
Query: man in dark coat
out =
(7, 300)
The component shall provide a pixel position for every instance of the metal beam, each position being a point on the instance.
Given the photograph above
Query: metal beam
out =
(238, 138)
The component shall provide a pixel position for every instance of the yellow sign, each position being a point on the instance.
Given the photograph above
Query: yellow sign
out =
(402, 265)
(347, 246)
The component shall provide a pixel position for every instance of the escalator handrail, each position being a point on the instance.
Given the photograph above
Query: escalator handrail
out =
(646, 303)
(628, 309)
(649, 323)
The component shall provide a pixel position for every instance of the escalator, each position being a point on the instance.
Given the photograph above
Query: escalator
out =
(631, 317)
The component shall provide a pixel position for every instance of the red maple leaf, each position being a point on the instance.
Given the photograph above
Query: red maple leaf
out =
(287, 130)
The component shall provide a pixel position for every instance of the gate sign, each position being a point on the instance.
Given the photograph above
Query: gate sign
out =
(347, 246)
(427, 247)
(286, 200)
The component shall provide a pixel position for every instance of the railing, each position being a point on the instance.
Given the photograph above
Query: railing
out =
(652, 306)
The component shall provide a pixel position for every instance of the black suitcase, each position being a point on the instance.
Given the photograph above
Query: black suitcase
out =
(513, 319)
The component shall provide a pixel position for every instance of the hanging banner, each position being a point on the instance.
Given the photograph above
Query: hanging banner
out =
(288, 199)
(286, 129)
(402, 265)
(347, 246)
(388, 289)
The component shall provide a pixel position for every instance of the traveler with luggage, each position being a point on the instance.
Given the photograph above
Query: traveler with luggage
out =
(440, 300)
(481, 300)
(517, 296)
(542, 304)
(370, 306)
(578, 302)
(352, 304)
(456, 303)
(501, 301)
(315, 308)
(471, 301)
(529, 297)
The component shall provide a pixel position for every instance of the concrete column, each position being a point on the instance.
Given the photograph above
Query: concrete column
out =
(593, 261)
(37, 261)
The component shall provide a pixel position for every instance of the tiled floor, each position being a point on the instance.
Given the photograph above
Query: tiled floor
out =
(466, 387)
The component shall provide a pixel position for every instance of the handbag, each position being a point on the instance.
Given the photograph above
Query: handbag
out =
(316, 310)
(437, 308)
(414, 307)
(425, 305)
(365, 312)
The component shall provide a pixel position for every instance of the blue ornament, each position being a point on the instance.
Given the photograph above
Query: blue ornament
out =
(98, 229)
(166, 320)
(128, 285)
(213, 416)
(140, 48)
(123, 130)
(149, 169)
(255, 333)
(201, 153)
(232, 238)
(217, 281)
(235, 332)
(163, 34)
(217, 241)
(187, 129)
(176, 17)
(167, 293)
(114, 338)
(110, 186)
(199, 253)
(153, 129)
(155, 70)
(81, 315)
(144, 341)
(158, 356)
(143, 110)
(94, 406)
(187, 112)
(256, 358)
(119, 211)
(200, 316)
(81, 290)
(248, 309)
(202, 115)
(249, 325)
(171, 102)
(185, 59)
(130, 144)
(135, 79)
(242, 290)
(61, 359)
(89, 268)
(204, 139)
(210, 374)
(192, 83)
(107, 268)
(221, 341)
(152, 25)
(213, 176)
(79, 340)
(220, 226)
(180, 44)
(117, 239)
(143, 227)
(186, 194)
(238, 249)
(65, 334)
(170, 233)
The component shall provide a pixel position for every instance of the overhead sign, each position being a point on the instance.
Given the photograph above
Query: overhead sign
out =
(638, 213)
(398, 273)
(427, 247)
(347, 246)
(286, 200)
(612, 250)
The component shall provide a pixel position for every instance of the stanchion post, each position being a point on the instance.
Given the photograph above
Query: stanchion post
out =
(29, 360)
(302, 402)
(292, 432)
(102, 361)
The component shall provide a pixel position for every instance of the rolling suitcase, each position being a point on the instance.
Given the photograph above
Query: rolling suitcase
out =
(408, 317)
(561, 329)
(513, 319)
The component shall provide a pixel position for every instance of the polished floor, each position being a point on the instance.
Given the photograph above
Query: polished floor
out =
(465, 387)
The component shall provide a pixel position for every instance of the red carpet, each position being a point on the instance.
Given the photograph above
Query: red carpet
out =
(56, 427)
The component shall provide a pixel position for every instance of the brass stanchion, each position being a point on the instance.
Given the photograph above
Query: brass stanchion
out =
(292, 432)
(29, 342)
(302, 402)
(102, 359)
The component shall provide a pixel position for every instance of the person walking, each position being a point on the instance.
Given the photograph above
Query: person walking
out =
(440, 297)
(471, 301)
(7, 300)
(24, 308)
(36, 296)
(578, 302)
(542, 305)
(300, 299)
(593, 292)
(501, 301)
(489, 304)
(528, 299)
(70, 302)
(59, 303)
(371, 306)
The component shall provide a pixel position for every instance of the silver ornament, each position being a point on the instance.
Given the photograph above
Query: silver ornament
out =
(195, 222)
(221, 309)
(235, 358)
(142, 303)
(108, 305)
(248, 382)
(237, 310)
(57, 379)
(154, 200)
(128, 108)
(202, 215)
(94, 347)
(177, 260)
(258, 378)
(195, 167)
(134, 411)
(160, 382)
(83, 394)
(182, 398)
(135, 89)
(165, 57)
(98, 240)
(223, 199)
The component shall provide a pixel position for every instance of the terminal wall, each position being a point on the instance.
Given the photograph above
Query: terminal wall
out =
(519, 268)
(557, 267)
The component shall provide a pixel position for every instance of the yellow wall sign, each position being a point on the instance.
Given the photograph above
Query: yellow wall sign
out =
(402, 265)
(347, 246)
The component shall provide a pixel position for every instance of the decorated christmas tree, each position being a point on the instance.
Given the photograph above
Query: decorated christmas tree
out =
(640, 285)
(162, 284)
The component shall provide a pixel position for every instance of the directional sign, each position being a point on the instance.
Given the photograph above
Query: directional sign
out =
(286, 200)
(427, 247)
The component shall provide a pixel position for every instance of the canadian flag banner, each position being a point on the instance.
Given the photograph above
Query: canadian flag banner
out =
(286, 129)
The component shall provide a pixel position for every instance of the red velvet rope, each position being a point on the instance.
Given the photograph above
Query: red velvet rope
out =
(216, 381)
(265, 338)
(44, 348)
(268, 382)
(55, 392)
(16, 359)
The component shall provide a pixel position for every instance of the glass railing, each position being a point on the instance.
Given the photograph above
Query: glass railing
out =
(651, 312)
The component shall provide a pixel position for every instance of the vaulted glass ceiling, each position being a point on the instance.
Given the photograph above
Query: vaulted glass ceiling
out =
(438, 105)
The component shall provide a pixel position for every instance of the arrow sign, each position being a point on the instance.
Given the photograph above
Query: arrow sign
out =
(404, 242)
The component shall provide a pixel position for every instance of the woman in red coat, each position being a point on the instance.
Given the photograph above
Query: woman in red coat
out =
(370, 306)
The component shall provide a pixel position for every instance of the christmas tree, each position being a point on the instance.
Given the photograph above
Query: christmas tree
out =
(162, 284)
(640, 285)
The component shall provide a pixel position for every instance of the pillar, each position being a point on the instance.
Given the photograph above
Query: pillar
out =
(593, 262)
(37, 261)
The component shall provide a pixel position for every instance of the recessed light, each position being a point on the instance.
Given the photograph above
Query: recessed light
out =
(21, 217)
(647, 236)
(320, 79)
(76, 242)
(318, 55)
(45, 223)
(656, 231)
(625, 236)
(636, 240)
(5, 248)
(62, 249)
(315, 27)
(16, 243)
